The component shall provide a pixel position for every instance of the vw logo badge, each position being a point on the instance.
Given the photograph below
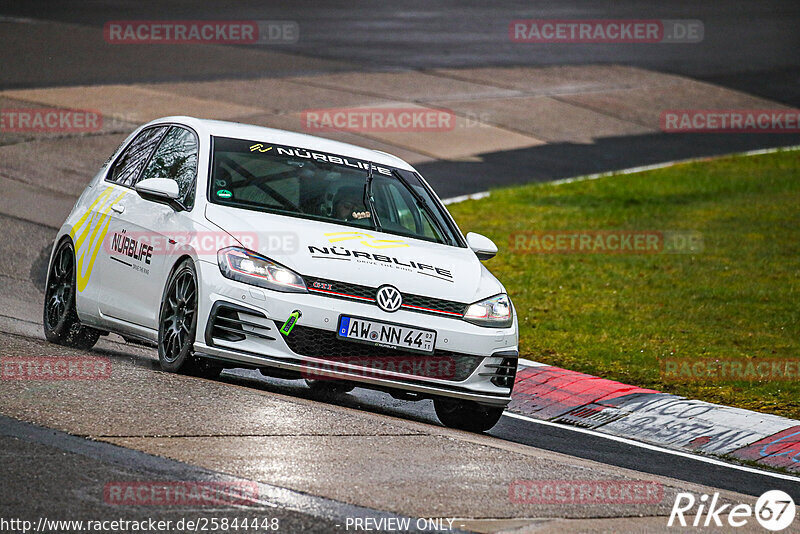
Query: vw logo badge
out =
(389, 298)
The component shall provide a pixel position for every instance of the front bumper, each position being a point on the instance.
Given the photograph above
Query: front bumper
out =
(247, 333)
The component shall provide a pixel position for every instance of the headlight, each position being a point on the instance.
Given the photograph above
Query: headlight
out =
(494, 311)
(251, 268)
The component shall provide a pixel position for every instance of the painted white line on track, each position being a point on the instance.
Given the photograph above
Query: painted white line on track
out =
(531, 363)
(18, 20)
(462, 198)
(656, 448)
(663, 165)
(632, 170)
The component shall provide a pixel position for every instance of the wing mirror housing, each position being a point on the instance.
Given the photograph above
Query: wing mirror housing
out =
(482, 246)
(161, 190)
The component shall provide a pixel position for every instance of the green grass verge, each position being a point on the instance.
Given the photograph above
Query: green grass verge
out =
(617, 315)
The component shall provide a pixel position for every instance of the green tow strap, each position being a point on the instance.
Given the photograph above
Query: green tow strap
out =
(286, 329)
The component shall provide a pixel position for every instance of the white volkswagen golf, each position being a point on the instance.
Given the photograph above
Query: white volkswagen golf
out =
(230, 245)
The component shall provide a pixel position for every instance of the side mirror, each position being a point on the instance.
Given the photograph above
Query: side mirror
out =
(161, 190)
(482, 246)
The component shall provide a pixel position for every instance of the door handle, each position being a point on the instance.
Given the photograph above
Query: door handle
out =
(119, 208)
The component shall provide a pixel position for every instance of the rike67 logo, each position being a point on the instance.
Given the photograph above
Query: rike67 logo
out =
(774, 510)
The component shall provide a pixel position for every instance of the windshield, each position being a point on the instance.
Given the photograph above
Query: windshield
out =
(316, 185)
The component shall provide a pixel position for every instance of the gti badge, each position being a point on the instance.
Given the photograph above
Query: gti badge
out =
(389, 298)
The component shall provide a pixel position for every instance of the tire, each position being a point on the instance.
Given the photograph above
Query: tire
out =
(177, 326)
(330, 387)
(469, 416)
(59, 316)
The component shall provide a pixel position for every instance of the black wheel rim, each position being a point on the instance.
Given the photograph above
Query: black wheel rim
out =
(179, 309)
(60, 286)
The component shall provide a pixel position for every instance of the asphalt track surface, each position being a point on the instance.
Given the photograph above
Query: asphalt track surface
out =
(749, 46)
(562, 440)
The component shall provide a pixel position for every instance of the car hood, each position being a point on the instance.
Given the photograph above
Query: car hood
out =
(365, 257)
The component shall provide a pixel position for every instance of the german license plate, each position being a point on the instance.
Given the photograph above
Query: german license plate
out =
(384, 334)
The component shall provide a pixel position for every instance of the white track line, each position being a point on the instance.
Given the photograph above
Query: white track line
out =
(530, 363)
(462, 198)
(656, 448)
(632, 170)
(654, 166)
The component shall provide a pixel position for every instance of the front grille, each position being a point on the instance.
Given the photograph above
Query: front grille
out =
(336, 289)
(431, 304)
(324, 344)
(411, 302)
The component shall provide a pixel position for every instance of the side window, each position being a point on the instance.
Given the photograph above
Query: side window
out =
(176, 159)
(130, 163)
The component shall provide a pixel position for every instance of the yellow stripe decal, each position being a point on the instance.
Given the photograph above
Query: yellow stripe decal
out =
(79, 240)
(98, 222)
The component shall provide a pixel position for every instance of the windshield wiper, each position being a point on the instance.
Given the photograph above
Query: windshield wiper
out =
(419, 198)
(370, 200)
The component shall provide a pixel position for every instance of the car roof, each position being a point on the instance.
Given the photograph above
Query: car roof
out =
(238, 130)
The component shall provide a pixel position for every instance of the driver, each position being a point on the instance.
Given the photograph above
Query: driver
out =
(348, 204)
